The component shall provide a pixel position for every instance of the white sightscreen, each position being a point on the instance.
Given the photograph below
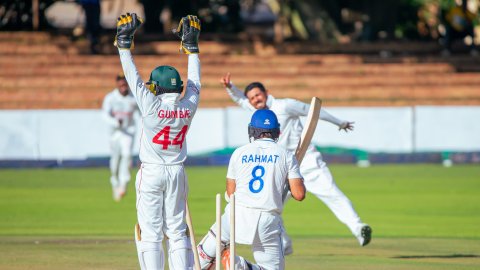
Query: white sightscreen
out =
(77, 134)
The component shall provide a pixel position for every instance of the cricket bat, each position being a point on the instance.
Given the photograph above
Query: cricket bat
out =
(308, 129)
(307, 135)
(192, 237)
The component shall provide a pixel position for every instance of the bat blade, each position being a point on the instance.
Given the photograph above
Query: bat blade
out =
(191, 233)
(306, 137)
(309, 128)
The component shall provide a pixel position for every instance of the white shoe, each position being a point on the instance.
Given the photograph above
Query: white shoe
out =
(365, 235)
(116, 194)
(286, 243)
(287, 250)
(122, 191)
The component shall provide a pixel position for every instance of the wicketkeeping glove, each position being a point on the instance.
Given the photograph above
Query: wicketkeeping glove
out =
(188, 30)
(126, 27)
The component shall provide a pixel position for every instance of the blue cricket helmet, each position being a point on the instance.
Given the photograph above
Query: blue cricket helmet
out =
(264, 121)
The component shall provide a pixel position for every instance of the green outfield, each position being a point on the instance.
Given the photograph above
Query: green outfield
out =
(423, 217)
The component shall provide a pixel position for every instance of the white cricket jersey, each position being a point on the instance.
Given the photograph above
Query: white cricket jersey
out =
(167, 117)
(116, 107)
(288, 112)
(260, 170)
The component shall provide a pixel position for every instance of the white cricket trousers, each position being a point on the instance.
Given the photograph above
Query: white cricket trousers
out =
(319, 181)
(120, 159)
(267, 243)
(161, 194)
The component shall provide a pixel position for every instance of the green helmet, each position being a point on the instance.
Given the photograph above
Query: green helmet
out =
(165, 79)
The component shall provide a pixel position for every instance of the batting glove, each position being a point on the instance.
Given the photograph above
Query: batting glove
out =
(126, 27)
(188, 30)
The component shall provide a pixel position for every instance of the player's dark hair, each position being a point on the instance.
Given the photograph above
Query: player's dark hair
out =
(259, 133)
(268, 135)
(252, 85)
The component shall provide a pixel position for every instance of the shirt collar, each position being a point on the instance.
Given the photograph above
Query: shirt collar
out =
(264, 140)
(270, 100)
(170, 97)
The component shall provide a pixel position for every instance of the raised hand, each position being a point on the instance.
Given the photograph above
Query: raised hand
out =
(189, 30)
(347, 126)
(225, 81)
(126, 27)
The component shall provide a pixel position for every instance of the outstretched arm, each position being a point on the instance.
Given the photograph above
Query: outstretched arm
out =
(299, 108)
(142, 95)
(192, 91)
(235, 94)
(126, 27)
(342, 124)
(189, 31)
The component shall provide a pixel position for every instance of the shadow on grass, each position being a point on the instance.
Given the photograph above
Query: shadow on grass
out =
(452, 256)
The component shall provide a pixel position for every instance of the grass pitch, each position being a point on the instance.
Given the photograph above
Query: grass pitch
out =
(423, 217)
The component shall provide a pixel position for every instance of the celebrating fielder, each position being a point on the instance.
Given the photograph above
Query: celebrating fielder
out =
(120, 111)
(257, 174)
(161, 181)
(318, 179)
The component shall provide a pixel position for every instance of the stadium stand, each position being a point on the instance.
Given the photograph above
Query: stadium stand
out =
(45, 71)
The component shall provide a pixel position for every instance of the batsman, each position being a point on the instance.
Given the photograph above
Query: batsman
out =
(317, 176)
(161, 184)
(257, 174)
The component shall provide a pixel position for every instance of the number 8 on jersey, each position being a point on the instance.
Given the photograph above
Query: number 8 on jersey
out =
(256, 184)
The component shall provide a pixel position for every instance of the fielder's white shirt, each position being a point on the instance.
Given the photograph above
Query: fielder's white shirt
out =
(288, 112)
(261, 169)
(117, 107)
(167, 117)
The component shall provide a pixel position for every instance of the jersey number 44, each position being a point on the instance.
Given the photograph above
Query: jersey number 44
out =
(163, 137)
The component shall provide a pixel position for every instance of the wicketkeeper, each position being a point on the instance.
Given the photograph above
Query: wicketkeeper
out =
(161, 183)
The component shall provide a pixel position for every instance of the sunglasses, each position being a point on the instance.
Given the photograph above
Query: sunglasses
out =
(151, 87)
